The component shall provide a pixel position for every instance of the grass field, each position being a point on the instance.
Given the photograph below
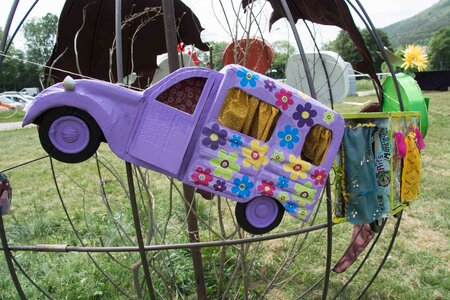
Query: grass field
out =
(417, 268)
(11, 116)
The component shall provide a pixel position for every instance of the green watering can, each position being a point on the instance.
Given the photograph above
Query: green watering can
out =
(413, 99)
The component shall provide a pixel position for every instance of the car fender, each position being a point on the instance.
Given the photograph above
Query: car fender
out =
(114, 108)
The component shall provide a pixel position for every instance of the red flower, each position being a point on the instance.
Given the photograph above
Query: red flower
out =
(319, 177)
(284, 99)
(267, 188)
(201, 176)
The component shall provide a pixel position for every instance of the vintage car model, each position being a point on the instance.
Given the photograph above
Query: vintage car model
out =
(235, 133)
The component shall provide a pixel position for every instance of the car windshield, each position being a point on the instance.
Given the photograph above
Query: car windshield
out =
(14, 98)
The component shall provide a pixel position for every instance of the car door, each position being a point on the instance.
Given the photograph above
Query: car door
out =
(168, 119)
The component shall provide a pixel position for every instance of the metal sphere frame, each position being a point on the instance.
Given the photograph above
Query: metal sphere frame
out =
(195, 245)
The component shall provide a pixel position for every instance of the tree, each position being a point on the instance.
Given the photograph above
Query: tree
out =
(11, 69)
(217, 53)
(40, 36)
(439, 46)
(348, 51)
(282, 51)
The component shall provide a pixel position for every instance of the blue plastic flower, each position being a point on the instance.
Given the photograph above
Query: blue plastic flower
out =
(248, 77)
(288, 137)
(290, 206)
(242, 187)
(283, 182)
(236, 141)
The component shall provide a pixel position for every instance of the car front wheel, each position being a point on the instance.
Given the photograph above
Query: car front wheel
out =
(69, 134)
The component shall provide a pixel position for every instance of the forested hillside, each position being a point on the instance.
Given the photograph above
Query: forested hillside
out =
(420, 28)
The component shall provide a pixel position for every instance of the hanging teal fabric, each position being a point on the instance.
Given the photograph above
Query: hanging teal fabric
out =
(382, 147)
(360, 175)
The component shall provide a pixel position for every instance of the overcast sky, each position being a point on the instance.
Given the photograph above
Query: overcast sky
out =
(210, 13)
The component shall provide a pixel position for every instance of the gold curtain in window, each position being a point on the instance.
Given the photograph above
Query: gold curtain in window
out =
(316, 144)
(248, 115)
(251, 116)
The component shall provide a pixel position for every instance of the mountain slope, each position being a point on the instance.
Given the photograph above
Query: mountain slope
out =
(420, 28)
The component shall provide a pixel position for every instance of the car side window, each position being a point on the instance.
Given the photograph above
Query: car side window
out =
(183, 95)
(249, 115)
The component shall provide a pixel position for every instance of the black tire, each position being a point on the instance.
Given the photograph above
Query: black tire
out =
(94, 131)
(241, 218)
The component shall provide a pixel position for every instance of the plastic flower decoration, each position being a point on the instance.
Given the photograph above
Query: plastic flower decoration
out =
(247, 77)
(288, 137)
(266, 188)
(256, 155)
(414, 57)
(225, 164)
(202, 177)
(242, 187)
(297, 167)
(214, 136)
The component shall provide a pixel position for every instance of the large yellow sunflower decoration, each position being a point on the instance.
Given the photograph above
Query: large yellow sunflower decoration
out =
(414, 57)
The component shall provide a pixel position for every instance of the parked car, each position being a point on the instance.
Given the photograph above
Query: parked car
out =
(235, 133)
(31, 91)
(10, 102)
(18, 97)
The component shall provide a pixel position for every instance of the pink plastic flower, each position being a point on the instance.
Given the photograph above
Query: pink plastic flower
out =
(201, 176)
(284, 99)
(319, 177)
(267, 188)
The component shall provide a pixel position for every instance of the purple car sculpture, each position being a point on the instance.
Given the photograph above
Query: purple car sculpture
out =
(235, 133)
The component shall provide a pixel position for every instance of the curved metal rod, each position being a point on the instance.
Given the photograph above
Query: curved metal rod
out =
(323, 65)
(388, 251)
(323, 277)
(329, 241)
(380, 45)
(19, 26)
(8, 258)
(288, 14)
(23, 164)
(66, 248)
(24, 273)
(362, 262)
(311, 288)
(351, 243)
(120, 230)
(76, 232)
(118, 30)
(6, 30)
(137, 228)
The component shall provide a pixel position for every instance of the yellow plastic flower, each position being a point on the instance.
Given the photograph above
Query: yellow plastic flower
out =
(414, 57)
(297, 167)
(256, 156)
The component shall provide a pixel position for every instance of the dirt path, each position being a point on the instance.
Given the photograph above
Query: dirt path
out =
(12, 126)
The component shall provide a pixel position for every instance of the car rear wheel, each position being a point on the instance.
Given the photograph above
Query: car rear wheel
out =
(69, 134)
(260, 215)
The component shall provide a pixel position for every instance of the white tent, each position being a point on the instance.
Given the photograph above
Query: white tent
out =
(329, 72)
(163, 65)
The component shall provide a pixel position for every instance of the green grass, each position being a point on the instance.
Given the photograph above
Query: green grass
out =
(417, 268)
(364, 85)
(11, 116)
